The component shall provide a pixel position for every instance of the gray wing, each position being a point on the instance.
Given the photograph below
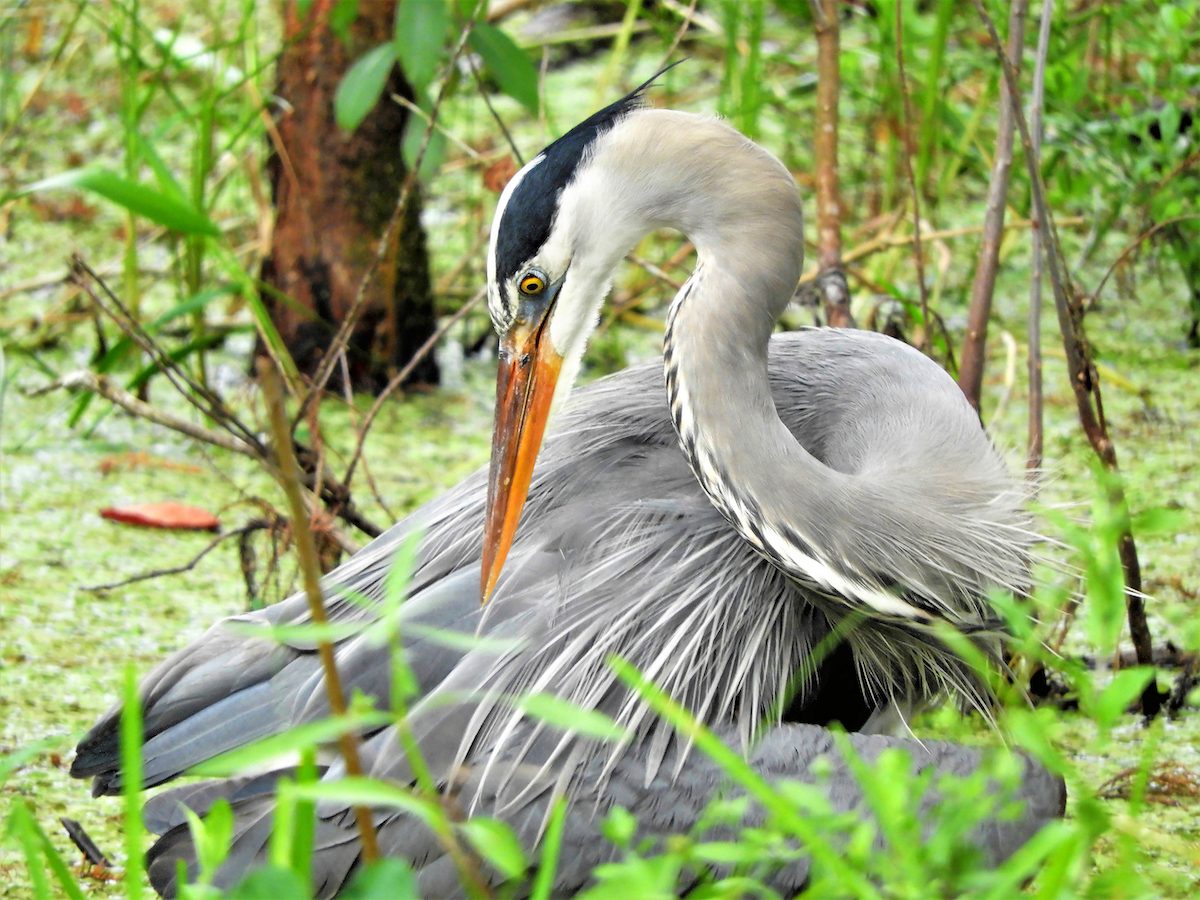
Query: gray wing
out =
(614, 513)
(619, 552)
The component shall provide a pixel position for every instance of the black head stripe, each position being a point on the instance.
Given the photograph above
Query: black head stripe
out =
(529, 215)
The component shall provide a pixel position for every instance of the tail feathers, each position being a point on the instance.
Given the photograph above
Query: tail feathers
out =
(220, 664)
(230, 723)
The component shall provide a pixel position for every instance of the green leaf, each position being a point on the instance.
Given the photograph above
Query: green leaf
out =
(566, 715)
(361, 791)
(420, 39)
(363, 85)
(496, 843)
(620, 826)
(211, 836)
(1159, 521)
(725, 853)
(131, 783)
(1126, 685)
(24, 827)
(387, 879)
(341, 17)
(543, 882)
(11, 762)
(173, 212)
(414, 137)
(269, 883)
(289, 741)
(511, 66)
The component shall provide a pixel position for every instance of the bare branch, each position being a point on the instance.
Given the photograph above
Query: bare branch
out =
(254, 525)
(1034, 443)
(906, 135)
(1084, 380)
(399, 378)
(288, 474)
(100, 384)
(974, 352)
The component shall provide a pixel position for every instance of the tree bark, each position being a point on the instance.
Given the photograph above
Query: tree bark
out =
(334, 193)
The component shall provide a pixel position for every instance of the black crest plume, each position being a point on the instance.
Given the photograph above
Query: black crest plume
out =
(527, 219)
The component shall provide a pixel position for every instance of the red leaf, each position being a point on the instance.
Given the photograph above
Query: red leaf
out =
(168, 514)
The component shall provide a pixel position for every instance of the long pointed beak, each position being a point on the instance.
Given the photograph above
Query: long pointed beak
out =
(529, 367)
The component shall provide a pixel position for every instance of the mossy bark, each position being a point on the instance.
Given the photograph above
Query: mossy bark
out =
(334, 193)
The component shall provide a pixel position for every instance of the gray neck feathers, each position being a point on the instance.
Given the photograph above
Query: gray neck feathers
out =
(855, 533)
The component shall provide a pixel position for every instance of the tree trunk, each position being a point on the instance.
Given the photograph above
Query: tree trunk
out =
(334, 193)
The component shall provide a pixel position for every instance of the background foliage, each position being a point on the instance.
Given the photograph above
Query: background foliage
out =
(135, 133)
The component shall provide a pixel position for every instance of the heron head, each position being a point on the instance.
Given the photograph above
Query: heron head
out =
(549, 269)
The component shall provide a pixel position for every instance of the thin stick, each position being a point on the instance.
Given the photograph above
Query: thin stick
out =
(1137, 242)
(906, 132)
(102, 385)
(338, 345)
(825, 150)
(1085, 382)
(288, 474)
(399, 378)
(983, 287)
(1035, 442)
(249, 527)
(487, 101)
(192, 390)
(685, 24)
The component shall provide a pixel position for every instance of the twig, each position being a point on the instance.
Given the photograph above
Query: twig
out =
(888, 240)
(825, 150)
(100, 384)
(338, 345)
(399, 378)
(487, 101)
(687, 17)
(288, 474)
(983, 287)
(1137, 242)
(1035, 442)
(249, 527)
(1084, 381)
(906, 139)
(196, 393)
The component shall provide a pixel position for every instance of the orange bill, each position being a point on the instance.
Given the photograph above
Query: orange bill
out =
(528, 372)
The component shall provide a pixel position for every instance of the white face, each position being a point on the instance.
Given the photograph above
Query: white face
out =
(573, 266)
(597, 220)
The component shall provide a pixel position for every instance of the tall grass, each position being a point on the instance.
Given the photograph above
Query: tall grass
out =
(898, 850)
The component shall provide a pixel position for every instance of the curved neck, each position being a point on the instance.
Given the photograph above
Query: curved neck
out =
(741, 209)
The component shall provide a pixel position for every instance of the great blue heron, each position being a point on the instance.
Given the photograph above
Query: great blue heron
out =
(713, 534)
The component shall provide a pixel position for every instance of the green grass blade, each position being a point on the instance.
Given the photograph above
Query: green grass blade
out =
(139, 199)
(131, 784)
(543, 883)
(511, 66)
(277, 745)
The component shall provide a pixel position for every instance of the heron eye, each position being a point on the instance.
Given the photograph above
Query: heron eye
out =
(532, 284)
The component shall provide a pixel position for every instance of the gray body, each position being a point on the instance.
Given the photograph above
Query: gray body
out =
(710, 526)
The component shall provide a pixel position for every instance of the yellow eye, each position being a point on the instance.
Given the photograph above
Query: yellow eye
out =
(532, 284)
